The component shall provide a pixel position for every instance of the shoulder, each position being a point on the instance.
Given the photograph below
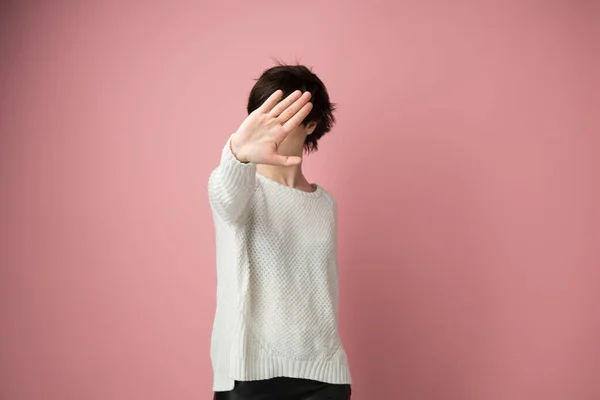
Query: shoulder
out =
(328, 197)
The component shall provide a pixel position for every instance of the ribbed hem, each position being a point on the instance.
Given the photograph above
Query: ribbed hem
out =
(330, 371)
(249, 361)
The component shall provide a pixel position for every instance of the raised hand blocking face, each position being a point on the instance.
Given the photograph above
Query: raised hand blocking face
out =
(292, 110)
(258, 138)
(288, 112)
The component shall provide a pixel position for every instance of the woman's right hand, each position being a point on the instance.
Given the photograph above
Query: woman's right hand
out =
(259, 136)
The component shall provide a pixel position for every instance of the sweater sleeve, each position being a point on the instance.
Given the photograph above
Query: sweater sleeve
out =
(231, 185)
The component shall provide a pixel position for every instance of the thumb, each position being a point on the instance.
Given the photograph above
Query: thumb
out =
(285, 161)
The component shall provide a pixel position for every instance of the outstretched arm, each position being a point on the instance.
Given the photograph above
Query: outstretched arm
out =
(256, 141)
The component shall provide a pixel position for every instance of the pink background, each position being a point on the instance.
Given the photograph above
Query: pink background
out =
(465, 162)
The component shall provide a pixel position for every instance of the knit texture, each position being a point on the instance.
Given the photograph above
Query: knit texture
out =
(277, 279)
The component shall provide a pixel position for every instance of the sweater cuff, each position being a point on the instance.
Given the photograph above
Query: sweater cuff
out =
(235, 171)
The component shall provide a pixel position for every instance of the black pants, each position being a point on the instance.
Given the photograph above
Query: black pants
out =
(285, 389)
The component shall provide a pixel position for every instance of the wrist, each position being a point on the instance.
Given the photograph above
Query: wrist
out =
(235, 150)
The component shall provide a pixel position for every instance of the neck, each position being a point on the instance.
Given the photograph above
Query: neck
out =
(289, 176)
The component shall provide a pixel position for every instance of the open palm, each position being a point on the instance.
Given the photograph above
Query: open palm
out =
(259, 136)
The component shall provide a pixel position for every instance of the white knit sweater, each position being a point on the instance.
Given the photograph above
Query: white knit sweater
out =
(277, 283)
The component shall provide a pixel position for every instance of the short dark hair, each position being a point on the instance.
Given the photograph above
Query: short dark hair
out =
(289, 78)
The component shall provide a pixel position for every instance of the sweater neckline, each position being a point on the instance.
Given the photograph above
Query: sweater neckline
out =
(316, 193)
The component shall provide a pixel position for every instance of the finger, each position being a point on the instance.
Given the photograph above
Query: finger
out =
(271, 101)
(297, 119)
(294, 108)
(284, 161)
(285, 103)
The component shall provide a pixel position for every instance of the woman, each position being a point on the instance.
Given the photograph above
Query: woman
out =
(275, 333)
